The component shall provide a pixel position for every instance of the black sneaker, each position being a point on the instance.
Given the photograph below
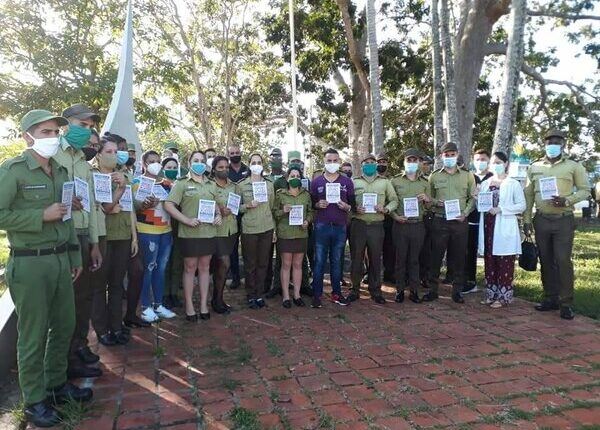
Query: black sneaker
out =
(567, 313)
(338, 299)
(260, 302)
(299, 302)
(316, 303)
(287, 304)
(471, 287)
(352, 297)
(42, 414)
(399, 297)
(87, 356)
(252, 304)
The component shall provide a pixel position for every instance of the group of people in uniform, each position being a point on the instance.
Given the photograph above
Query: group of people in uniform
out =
(89, 225)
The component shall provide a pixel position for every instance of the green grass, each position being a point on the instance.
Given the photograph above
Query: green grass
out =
(586, 261)
(72, 413)
(243, 419)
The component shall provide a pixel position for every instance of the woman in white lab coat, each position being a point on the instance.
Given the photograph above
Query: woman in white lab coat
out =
(499, 235)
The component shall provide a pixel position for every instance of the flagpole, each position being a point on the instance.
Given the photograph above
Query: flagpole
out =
(293, 76)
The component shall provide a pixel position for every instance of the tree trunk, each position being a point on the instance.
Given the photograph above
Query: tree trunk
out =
(451, 109)
(507, 112)
(374, 78)
(438, 89)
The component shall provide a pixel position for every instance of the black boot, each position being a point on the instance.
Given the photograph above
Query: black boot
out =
(75, 371)
(87, 356)
(42, 414)
(68, 391)
(547, 305)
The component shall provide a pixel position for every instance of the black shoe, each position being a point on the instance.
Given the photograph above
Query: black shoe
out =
(205, 316)
(121, 338)
(378, 299)
(68, 391)
(471, 287)
(287, 304)
(87, 356)
(352, 297)
(547, 305)
(42, 414)
(75, 371)
(299, 302)
(252, 304)
(316, 303)
(430, 297)
(235, 284)
(136, 322)
(125, 330)
(273, 292)
(399, 297)
(261, 302)
(567, 313)
(414, 297)
(307, 291)
(191, 318)
(220, 308)
(457, 298)
(107, 339)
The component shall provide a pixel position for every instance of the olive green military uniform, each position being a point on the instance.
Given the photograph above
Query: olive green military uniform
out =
(279, 183)
(86, 226)
(555, 226)
(284, 229)
(187, 193)
(257, 237)
(450, 236)
(409, 235)
(40, 285)
(367, 233)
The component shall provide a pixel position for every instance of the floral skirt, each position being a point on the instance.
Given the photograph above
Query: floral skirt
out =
(499, 269)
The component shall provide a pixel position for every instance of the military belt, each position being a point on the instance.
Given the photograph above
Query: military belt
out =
(40, 252)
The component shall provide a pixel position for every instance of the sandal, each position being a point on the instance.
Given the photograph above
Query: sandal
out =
(496, 305)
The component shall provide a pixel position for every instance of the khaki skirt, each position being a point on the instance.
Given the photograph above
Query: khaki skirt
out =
(294, 246)
(197, 247)
(225, 245)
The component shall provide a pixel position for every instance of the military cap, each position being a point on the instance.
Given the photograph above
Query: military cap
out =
(81, 111)
(131, 147)
(555, 133)
(412, 152)
(369, 157)
(294, 155)
(382, 156)
(276, 151)
(427, 159)
(37, 116)
(450, 146)
(170, 145)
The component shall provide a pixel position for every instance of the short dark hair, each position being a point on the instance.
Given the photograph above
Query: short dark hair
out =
(167, 159)
(114, 137)
(147, 154)
(197, 151)
(217, 159)
(210, 149)
(345, 163)
(297, 169)
(331, 151)
(482, 151)
(501, 155)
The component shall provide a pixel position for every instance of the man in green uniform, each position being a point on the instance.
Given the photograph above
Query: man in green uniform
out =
(70, 155)
(452, 191)
(554, 185)
(44, 261)
(375, 197)
(389, 256)
(408, 229)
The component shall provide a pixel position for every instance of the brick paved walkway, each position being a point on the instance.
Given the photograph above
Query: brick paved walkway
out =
(362, 367)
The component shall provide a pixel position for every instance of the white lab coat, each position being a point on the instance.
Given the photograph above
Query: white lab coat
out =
(507, 238)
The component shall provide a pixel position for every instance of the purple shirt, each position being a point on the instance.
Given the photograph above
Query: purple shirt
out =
(332, 213)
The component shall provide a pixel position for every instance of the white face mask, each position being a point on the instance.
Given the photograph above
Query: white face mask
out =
(332, 167)
(46, 147)
(154, 168)
(209, 164)
(256, 169)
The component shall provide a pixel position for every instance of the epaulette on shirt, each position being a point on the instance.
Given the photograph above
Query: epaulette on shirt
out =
(7, 164)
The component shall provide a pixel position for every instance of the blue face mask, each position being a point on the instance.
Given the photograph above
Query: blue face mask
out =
(198, 168)
(553, 150)
(450, 162)
(411, 167)
(122, 157)
(481, 165)
(499, 169)
(369, 169)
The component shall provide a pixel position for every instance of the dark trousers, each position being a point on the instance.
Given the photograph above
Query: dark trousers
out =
(257, 253)
(234, 262)
(425, 256)
(450, 237)
(83, 291)
(409, 241)
(554, 238)
(174, 272)
(369, 238)
(135, 282)
(108, 309)
(389, 251)
(269, 275)
(99, 290)
(471, 262)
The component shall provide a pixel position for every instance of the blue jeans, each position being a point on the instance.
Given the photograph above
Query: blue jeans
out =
(156, 249)
(329, 241)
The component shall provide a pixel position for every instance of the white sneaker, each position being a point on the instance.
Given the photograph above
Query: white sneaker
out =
(165, 313)
(149, 315)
